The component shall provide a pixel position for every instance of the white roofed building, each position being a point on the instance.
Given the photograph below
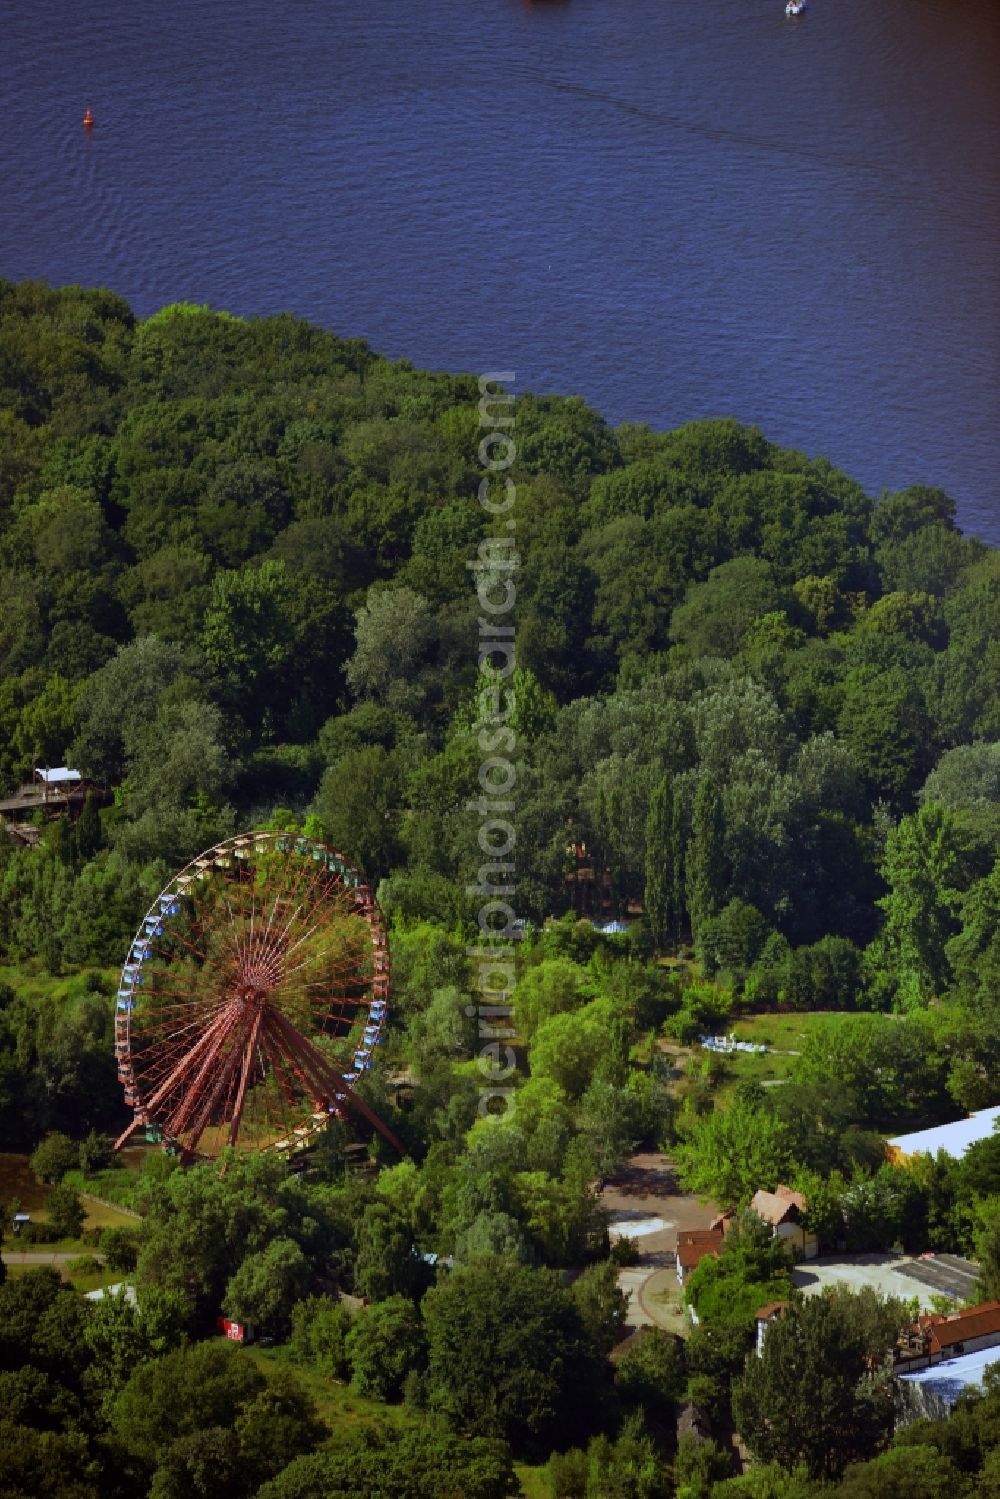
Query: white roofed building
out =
(954, 1139)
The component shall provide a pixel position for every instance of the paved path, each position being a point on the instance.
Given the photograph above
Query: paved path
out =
(646, 1204)
(47, 1257)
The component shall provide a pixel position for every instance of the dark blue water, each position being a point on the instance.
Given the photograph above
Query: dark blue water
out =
(673, 209)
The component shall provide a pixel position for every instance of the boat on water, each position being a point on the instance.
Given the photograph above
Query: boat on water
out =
(795, 7)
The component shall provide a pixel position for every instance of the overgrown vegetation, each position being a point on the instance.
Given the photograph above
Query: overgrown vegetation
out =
(754, 711)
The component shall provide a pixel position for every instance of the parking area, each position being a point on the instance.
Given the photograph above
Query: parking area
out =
(892, 1275)
(645, 1204)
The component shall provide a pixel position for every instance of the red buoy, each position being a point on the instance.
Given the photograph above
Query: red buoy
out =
(88, 118)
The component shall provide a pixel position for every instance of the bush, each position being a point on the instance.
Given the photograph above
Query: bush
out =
(385, 1344)
(56, 1155)
(84, 1264)
(651, 1371)
(65, 1212)
(320, 1325)
(120, 1247)
(624, 1252)
(94, 1153)
(38, 1233)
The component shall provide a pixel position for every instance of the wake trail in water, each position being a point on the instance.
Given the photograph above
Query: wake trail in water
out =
(891, 184)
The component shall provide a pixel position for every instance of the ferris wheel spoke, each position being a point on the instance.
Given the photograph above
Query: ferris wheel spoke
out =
(156, 1058)
(319, 876)
(270, 939)
(265, 938)
(201, 999)
(328, 885)
(200, 1057)
(249, 1052)
(207, 1101)
(176, 935)
(310, 950)
(330, 969)
(295, 1056)
(287, 1080)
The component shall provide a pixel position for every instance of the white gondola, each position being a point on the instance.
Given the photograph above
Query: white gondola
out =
(795, 7)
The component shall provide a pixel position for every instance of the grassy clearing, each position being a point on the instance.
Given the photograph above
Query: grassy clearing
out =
(787, 1035)
(338, 1406)
(346, 1413)
(786, 1032)
(534, 1481)
(82, 1280)
(763, 1067)
(31, 980)
(113, 1184)
(91, 1280)
(18, 1180)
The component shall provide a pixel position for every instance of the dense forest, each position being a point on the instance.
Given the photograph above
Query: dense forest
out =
(755, 713)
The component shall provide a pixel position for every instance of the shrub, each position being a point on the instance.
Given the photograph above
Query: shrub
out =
(651, 1371)
(84, 1264)
(120, 1247)
(65, 1211)
(39, 1233)
(56, 1155)
(320, 1325)
(385, 1343)
(625, 1251)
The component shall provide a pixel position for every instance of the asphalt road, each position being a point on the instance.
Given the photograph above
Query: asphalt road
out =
(946, 1273)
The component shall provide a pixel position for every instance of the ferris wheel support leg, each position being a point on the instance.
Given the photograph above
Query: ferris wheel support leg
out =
(224, 1081)
(127, 1134)
(315, 1063)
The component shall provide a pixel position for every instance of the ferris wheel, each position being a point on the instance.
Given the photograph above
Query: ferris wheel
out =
(253, 997)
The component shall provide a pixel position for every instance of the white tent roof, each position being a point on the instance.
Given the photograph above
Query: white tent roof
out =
(59, 774)
(953, 1139)
(948, 1379)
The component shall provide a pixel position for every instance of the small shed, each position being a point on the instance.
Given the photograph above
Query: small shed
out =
(693, 1421)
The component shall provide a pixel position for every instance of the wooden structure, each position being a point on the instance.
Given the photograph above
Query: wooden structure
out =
(50, 791)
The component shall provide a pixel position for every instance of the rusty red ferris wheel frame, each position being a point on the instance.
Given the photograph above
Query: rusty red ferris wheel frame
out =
(252, 998)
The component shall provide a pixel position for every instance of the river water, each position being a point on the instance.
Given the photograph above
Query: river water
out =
(673, 209)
